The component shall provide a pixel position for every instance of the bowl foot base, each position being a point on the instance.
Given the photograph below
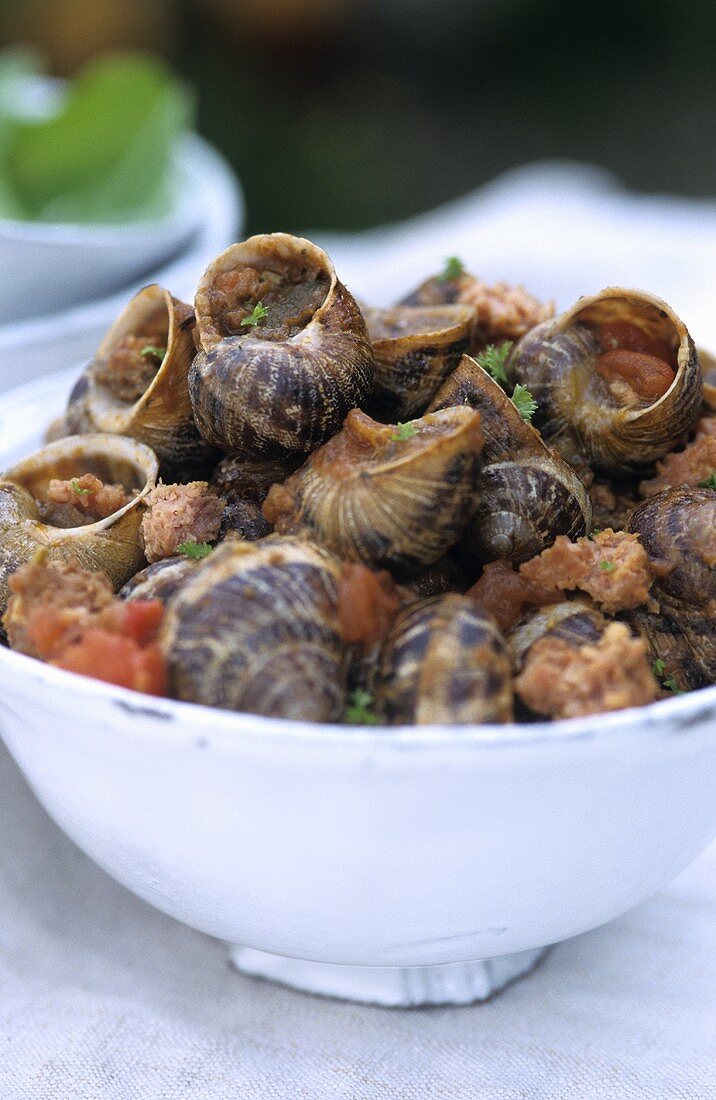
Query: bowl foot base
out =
(448, 984)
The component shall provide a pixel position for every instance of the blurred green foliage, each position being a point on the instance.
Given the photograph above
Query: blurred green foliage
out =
(102, 153)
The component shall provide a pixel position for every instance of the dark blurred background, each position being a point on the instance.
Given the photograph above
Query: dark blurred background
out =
(341, 114)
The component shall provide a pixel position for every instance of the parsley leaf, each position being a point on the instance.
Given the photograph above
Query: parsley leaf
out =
(256, 317)
(607, 566)
(76, 488)
(152, 349)
(453, 269)
(196, 550)
(403, 432)
(667, 681)
(709, 482)
(359, 710)
(493, 359)
(524, 402)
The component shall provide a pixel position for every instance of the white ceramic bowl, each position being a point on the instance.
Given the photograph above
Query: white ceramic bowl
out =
(327, 851)
(211, 216)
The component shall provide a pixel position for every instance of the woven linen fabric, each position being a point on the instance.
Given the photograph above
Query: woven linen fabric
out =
(103, 998)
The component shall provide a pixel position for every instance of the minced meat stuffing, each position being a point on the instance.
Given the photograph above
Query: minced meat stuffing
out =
(563, 681)
(50, 605)
(178, 514)
(613, 568)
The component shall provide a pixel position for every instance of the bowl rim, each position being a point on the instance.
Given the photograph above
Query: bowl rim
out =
(679, 715)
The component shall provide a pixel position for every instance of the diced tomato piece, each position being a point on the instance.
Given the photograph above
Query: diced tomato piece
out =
(117, 659)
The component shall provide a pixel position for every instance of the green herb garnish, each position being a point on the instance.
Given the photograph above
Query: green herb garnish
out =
(493, 359)
(76, 489)
(256, 316)
(359, 711)
(195, 549)
(524, 402)
(667, 681)
(607, 566)
(453, 269)
(152, 349)
(403, 432)
(709, 482)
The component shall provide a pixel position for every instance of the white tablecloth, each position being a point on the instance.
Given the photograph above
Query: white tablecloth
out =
(102, 998)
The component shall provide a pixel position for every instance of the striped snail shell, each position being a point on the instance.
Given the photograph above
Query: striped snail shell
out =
(391, 498)
(573, 621)
(415, 349)
(528, 494)
(616, 378)
(284, 352)
(255, 628)
(678, 527)
(110, 544)
(443, 661)
(142, 391)
(160, 580)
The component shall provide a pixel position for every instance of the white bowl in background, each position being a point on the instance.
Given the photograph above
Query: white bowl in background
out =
(446, 857)
(212, 216)
(46, 267)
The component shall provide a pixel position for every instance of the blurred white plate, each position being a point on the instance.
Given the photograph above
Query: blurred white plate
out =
(214, 216)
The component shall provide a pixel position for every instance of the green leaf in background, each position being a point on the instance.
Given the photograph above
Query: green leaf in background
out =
(106, 155)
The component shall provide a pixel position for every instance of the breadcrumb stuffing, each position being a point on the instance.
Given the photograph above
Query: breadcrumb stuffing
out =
(177, 514)
(562, 681)
(613, 568)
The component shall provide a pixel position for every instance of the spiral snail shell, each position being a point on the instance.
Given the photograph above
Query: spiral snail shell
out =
(284, 352)
(616, 378)
(678, 527)
(255, 628)
(109, 544)
(415, 349)
(136, 384)
(443, 661)
(388, 497)
(528, 494)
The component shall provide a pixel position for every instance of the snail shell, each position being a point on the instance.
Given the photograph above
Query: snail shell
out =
(161, 416)
(574, 621)
(678, 527)
(389, 502)
(255, 628)
(415, 348)
(160, 580)
(528, 494)
(239, 477)
(284, 384)
(443, 662)
(557, 361)
(708, 366)
(110, 544)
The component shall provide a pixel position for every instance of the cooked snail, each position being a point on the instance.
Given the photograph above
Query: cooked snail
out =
(500, 312)
(136, 385)
(160, 580)
(616, 378)
(284, 352)
(443, 662)
(678, 527)
(574, 621)
(255, 628)
(239, 477)
(708, 366)
(395, 496)
(415, 349)
(29, 524)
(528, 494)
